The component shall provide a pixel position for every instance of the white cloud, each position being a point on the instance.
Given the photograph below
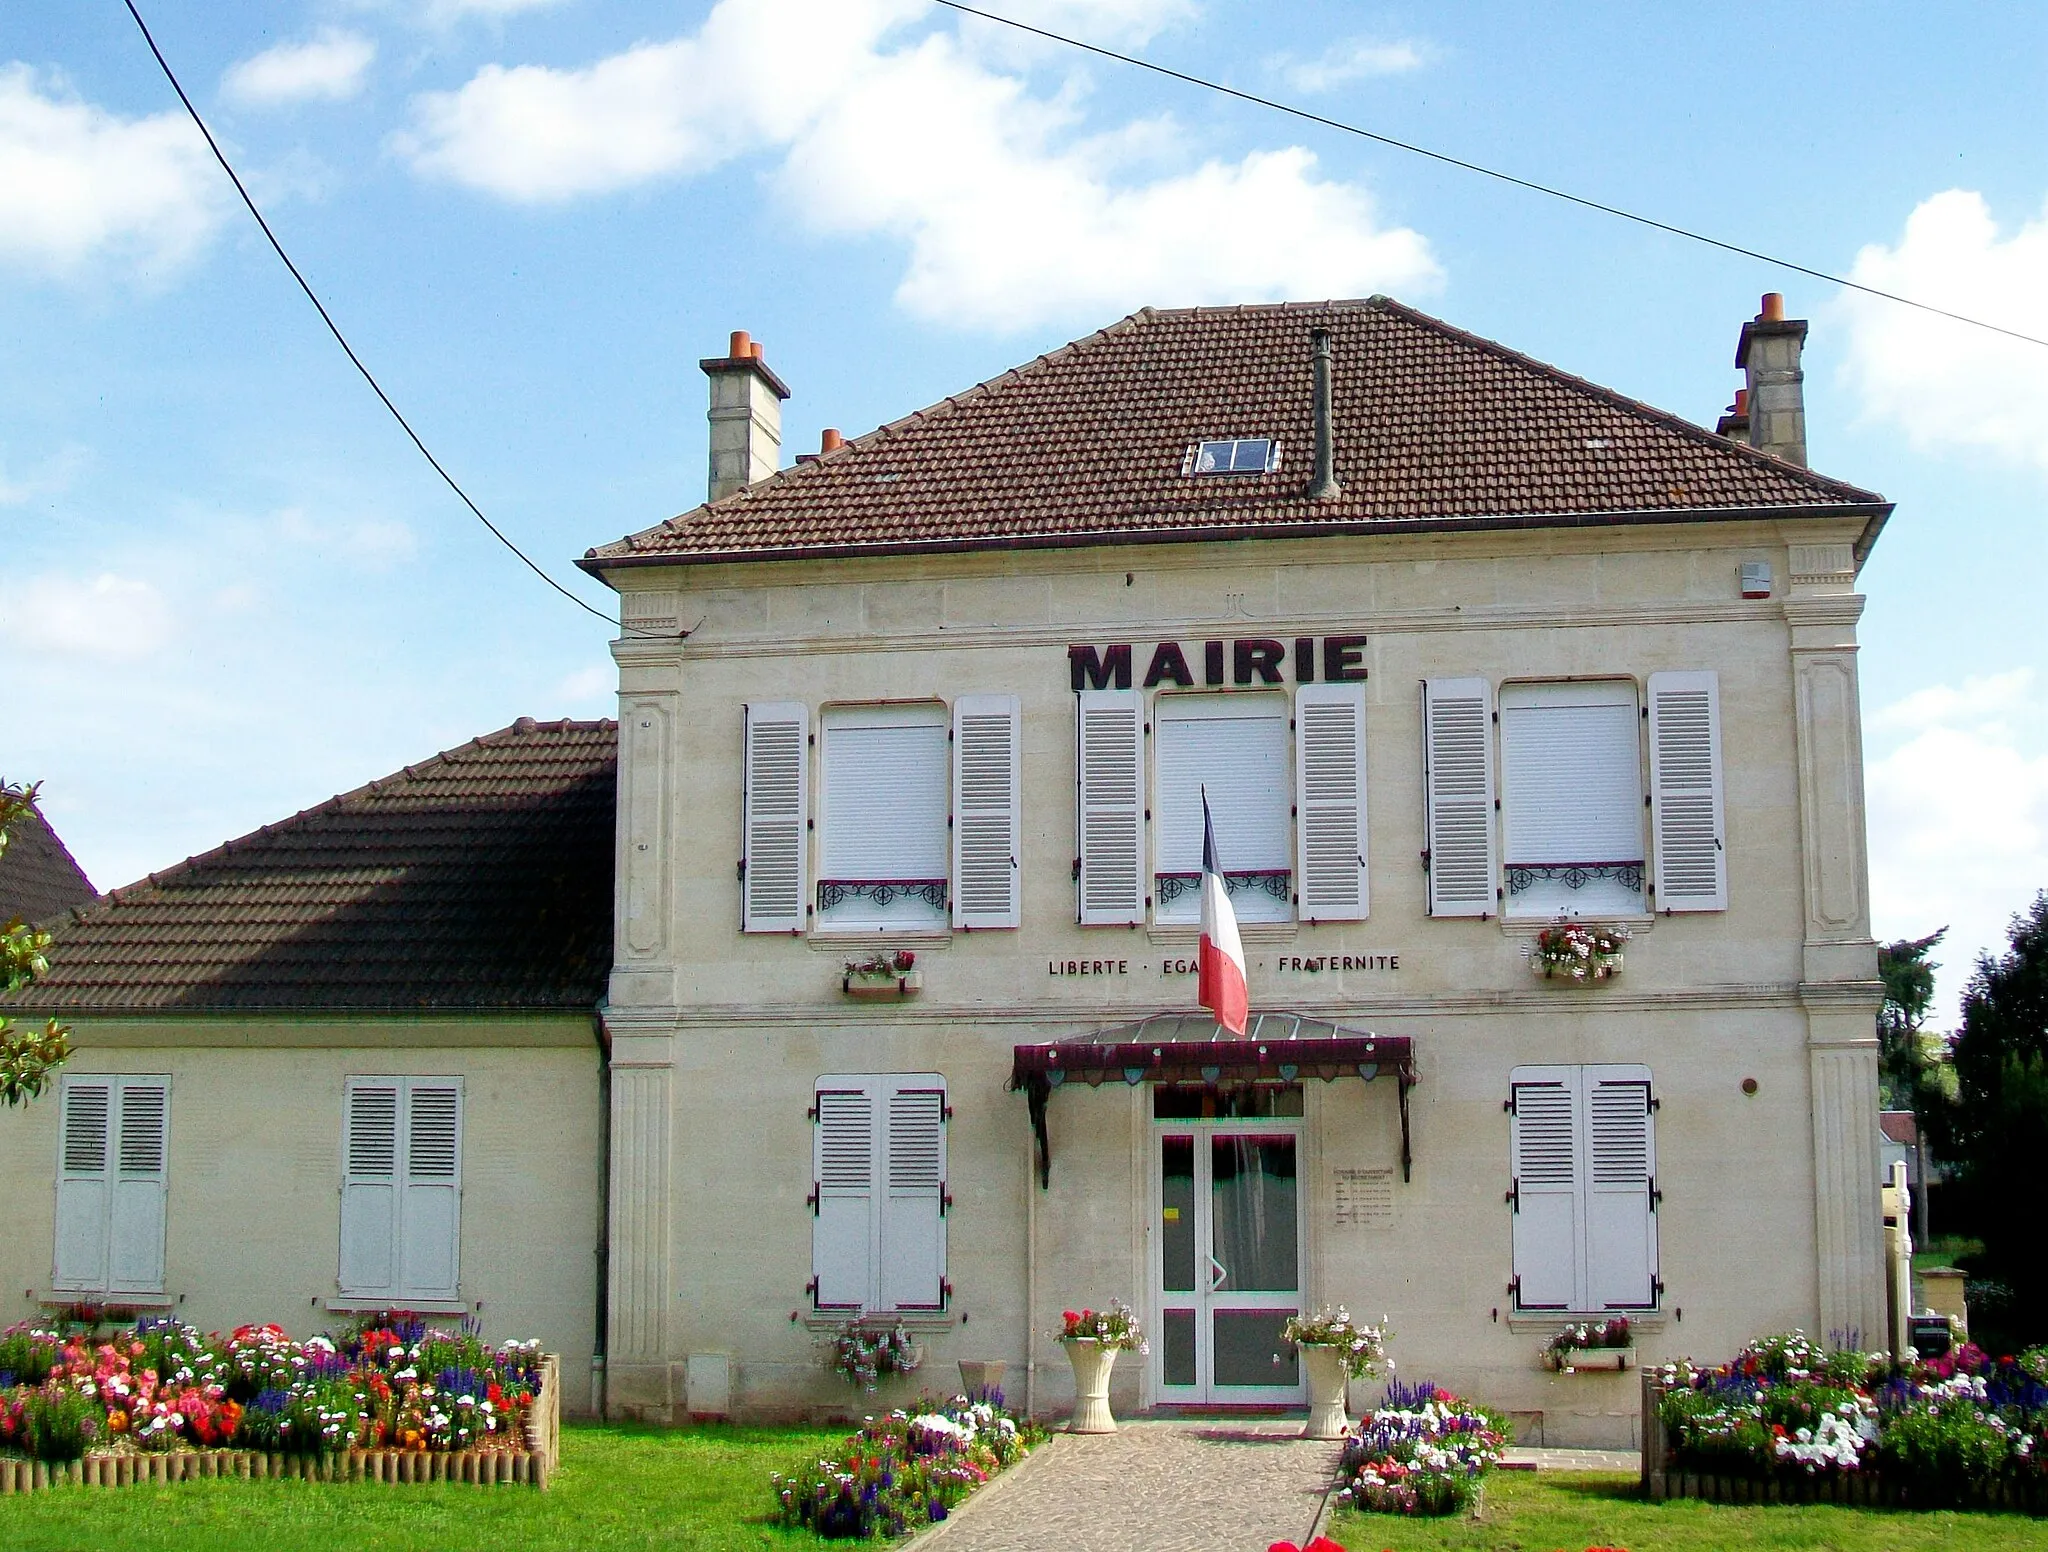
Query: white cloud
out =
(1959, 818)
(1946, 385)
(79, 184)
(371, 543)
(1013, 211)
(329, 68)
(1343, 63)
(108, 617)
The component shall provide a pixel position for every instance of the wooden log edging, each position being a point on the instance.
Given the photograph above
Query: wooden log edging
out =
(1857, 1489)
(482, 1468)
(531, 1465)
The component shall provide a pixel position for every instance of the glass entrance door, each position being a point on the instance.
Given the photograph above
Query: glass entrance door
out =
(1229, 1240)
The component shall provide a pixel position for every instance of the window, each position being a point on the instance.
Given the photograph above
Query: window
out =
(1236, 747)
(112, 1176)
(883, 850)
(1572, 799)
(401, 1188)
(1240, 455)
(1584, 1191)
(878, 1189)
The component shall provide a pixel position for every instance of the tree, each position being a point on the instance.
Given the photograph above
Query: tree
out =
(29, 1058)
(1904, 1058)
(1996, 1132)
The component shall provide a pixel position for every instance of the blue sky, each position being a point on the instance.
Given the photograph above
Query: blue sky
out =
(230, 588)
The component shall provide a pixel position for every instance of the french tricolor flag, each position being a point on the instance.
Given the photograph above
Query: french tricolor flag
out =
(1219, 979)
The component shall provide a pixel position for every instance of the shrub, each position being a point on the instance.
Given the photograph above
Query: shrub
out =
(60, 1422)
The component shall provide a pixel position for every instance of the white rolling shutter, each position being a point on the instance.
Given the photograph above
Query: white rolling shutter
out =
(1571, 788)
(430, 1205)
(135, 1256)
(84, 1182)
(1329, 774)
(987, 777)
(1620, 1174)
(370, 1186)
(1236, 747)
(1457, 718)
(1545, 1163)
(774, 804)
(1685, 792)
(843, 1178)
(913, 1251)
(1109, 776)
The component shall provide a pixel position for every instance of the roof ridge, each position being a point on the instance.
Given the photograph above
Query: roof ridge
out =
(1670, 419)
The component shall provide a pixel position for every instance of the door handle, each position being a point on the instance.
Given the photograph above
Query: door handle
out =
(1219, 1274)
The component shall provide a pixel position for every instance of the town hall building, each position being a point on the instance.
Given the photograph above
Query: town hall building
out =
(913, 741)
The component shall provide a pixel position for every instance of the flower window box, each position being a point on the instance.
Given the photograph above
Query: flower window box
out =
(882, 977)
(1578, 951)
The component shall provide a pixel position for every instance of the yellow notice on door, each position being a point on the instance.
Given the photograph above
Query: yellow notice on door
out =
(1173, 1215)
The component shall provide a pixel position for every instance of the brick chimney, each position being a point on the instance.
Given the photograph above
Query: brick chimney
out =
(746, 417)
(1769, 356)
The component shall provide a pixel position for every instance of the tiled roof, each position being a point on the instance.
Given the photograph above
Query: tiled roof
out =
(480, 879)
(39, 878)
(1433, 425)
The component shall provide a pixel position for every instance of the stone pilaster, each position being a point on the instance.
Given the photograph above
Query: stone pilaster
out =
(639, 1370)
(1839, 982)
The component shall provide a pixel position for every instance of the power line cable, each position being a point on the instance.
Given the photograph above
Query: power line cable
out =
(342, 340)
(1489, 172)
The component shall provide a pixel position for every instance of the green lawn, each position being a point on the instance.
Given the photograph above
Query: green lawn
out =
(693, 1490)
(1542, 1512)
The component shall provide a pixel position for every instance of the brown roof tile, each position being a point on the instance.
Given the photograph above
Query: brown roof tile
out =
(39, 878)
(480, 879)
(1086, 444)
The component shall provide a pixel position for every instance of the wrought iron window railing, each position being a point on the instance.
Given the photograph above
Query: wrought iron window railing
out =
(882, 892)
(1523, 876)
(1279, 883)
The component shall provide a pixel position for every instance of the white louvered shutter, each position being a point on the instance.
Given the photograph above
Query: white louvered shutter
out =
(141, 1179)
(430, 1205)
(1329, 774)
(1620, 1174)
(843, 1176)
(1545, 1161)
(1457, 719)
(774, 807)
(370, 1186)
(1109, 767)
(84, 1183)
(913, 1257)
(1685, 792)
(987, 778)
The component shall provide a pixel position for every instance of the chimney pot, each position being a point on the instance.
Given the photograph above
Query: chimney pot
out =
(1773, 308)
(831, 441)
(1742, 401)
(754, 351)
(1322, 415)
(742, 347)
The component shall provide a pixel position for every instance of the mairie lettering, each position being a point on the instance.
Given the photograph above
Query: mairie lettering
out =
(1255, 660)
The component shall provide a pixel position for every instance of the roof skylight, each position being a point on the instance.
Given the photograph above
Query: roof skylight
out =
(1236, 455)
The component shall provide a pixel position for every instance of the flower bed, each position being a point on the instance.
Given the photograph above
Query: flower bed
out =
(1798, 1421)
(160, 1401)
(905, 1471)
(1422, 1451)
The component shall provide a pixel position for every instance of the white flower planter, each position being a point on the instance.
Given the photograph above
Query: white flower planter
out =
(1092, 1363)
(1327, 1382)
(1591, 1360)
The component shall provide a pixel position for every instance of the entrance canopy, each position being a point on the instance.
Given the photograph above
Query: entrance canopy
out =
(1192, 1048)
